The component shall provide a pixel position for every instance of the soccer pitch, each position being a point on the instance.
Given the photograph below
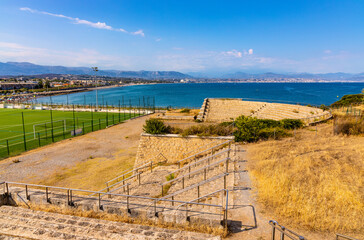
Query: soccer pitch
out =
(42, 127)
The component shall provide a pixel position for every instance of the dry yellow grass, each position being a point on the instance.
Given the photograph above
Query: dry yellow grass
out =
(92, 173)
(179, 112)
(316, 182)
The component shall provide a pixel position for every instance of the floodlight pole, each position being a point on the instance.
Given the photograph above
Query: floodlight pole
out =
(95, 69)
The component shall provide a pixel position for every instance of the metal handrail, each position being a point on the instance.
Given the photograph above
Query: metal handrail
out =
(135, 169)
(107, 193)
(69, 196)
(184, 154)
(199, 161)
(226, 142)
(107, 188)
(284, 231)
(196, 185)
(204, 196)
(195, 171)
(338, 236)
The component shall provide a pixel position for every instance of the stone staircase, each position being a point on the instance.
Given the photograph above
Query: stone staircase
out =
(21, 223)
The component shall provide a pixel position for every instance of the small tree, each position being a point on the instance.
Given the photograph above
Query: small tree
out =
(155, 126)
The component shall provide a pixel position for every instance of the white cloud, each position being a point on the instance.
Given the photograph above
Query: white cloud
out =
(85, 57)
(328, 51)
(99, 25)
(139, 32)
(250, 51)
(233, 53)
(158, 39)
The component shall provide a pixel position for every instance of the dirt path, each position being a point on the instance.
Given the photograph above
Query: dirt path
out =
(249, 223)
(36, 165)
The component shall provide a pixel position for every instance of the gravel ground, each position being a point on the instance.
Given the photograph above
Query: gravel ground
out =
(38, 164)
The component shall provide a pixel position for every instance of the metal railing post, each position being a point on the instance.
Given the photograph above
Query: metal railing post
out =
(224, 181)
(172, 200)
(198, 193)
(282, 233)
(47, 200)
(100, 206)
(183, 183)
(186, 212)
(127, 198)
(26, 192)
(7, 189)
(162, 190)
(151, 166)
(155, 208)
(68, 197)
(71, 200)
(273, 231)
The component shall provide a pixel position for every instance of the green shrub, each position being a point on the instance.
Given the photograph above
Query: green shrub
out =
(251, 129)
(291, 123)
(209, 130)
(155, 126)
(347, 100)
(275, 133)
(170, 177)
(248, 129)
(185, 110)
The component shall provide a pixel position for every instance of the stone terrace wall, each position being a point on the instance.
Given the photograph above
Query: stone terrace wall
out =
(174, 147)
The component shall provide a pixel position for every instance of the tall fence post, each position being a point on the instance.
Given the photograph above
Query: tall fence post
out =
(25, 142)
(7, 146)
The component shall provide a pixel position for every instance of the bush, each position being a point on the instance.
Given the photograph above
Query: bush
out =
(209, 130)
(185, 110)
(276, 133)
(155, 126)
(349, 125)
(251, 129)
(291, 123)
(347, 100)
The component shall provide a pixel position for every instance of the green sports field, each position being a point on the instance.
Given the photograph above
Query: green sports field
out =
(43, 127)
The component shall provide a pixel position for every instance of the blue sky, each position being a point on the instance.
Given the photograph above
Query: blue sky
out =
(189, 36)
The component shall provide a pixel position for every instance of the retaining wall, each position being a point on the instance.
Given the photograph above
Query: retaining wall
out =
(174, 147)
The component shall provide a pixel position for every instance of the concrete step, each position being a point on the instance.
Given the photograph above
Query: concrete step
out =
(21, 223)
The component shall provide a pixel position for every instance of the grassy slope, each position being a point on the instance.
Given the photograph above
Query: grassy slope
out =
(313, 181)
(92, 173)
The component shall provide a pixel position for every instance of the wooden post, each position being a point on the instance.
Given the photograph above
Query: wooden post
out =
(198, 193)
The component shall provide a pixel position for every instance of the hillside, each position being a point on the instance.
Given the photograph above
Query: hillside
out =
(311, 181)
(25, 68)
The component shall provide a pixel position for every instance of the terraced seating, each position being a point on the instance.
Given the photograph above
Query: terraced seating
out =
(21, 223)
(221, 110)
(278, 111)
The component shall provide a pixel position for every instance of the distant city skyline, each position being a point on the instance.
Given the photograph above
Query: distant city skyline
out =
(210, 37)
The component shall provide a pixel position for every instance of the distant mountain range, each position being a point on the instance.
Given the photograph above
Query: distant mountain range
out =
(323, 76)
(25, 68)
